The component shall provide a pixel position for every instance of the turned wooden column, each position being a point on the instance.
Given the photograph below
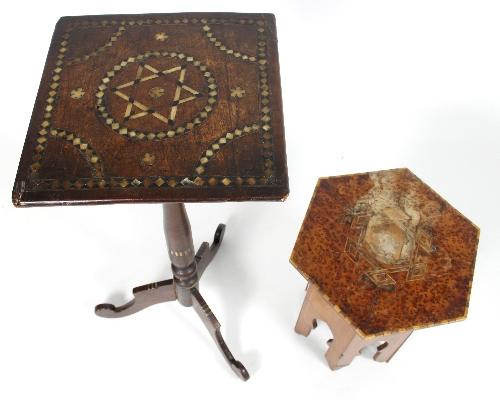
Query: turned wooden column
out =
(187, 267)
(180, 250)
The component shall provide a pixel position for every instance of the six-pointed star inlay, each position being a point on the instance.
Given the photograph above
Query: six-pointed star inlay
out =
(145, 110)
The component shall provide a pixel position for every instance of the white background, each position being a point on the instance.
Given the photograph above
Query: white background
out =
(367, 85)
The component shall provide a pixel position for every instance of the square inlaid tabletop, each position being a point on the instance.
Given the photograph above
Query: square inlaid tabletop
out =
(157, 108)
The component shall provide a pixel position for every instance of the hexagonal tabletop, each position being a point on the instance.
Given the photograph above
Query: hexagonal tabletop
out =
(387, 252)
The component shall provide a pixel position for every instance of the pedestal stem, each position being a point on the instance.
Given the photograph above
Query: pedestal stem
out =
(180, 250)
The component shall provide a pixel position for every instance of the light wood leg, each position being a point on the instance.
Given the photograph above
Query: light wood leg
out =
(347, 343)
(307, 320)
(392, 344)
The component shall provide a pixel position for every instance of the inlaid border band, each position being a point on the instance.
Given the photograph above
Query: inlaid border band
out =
(112, 40)
(207, 30)
(218, 144)
(155, 182)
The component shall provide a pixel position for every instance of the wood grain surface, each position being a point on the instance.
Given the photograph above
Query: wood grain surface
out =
(157, 108)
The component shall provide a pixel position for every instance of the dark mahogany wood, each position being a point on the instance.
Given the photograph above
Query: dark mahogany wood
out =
(205, 254)
(144, 296)
(184, 286)
(157, 108)
(180, 250)
(213, 326)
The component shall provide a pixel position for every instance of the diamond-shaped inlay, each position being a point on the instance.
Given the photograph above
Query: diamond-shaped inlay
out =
(165, 84)
(158, 117)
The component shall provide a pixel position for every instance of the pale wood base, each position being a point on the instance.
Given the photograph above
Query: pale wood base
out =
(347, 343)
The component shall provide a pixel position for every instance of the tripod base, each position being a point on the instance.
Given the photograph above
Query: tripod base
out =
(164, 291)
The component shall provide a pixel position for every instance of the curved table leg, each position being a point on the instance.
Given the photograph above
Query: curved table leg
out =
(213, 326)
(205, 254)
(144, 296)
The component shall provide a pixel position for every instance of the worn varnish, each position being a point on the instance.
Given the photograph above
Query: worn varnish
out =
(157, 108)
(387, 252)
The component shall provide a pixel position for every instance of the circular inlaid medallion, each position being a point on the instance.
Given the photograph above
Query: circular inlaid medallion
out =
(156, 95)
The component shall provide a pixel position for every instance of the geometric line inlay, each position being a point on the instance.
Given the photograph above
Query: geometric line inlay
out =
(83, 147)
(155, 181)
(217, 43)
(378, 247)
(112, 40)
(265, 112)
(148, 111)
(170, 131)
(46, 130)
(50, 103)
(209, 154)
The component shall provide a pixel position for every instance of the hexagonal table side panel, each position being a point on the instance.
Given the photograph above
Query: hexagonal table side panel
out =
(387, 252)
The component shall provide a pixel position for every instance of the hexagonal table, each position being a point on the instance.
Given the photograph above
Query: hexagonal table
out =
(384, 255)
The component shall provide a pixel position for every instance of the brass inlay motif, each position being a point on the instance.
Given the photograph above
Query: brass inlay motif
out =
(77, 93)
(161, 36)
(181, 253)
(209, 154)
(115, 183)
(98, 50)
(84, 148)
(33, 183)
(155, 93)
(170, 131)
(148, 159)
(217, 43)
(237, 92)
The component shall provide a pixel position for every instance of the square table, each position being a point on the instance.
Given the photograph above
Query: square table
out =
(159, 108)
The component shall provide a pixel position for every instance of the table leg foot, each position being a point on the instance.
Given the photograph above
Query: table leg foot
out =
(213, 326)
(144, 296)
(205, 254)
